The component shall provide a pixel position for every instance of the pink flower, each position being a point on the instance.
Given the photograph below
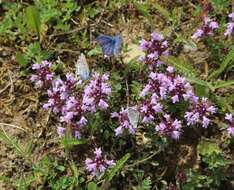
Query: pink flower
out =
(169, 127)
(98, 164)
(43, 75)
(207, 29)
(200, 112)
(230, 129)
(154, 48)
(170, 69)
(228, 117)
(96, 93)
(230, 25)
(61, 131)
(197, 34)
(150, 108)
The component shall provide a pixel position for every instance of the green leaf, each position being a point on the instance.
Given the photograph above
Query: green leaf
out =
(92, 186)
(143, 9)
(201, 90)
(220, 5)
(33, 19)
(206, 147)
(5, 179)
(176, 15)
(200, 82)
(75, 174)
(162, 11)
(119, 165)
(69, 141)
(96, 51)
(74, 169)
(225, 103)
(223, 84)
(21, 59)
(61, 168)
(145, 185)
(33, 49)
(189, 44)
(11, 141)
(228, 59)
(185, 68)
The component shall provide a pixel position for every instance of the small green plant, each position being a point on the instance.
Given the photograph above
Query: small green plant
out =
(146, 184)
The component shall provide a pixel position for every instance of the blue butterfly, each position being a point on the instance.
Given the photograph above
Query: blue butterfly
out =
(110, 45)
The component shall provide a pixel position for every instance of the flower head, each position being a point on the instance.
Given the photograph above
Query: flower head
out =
(230, 120)
(230, 26)
(43, 75)
(150, 108)
(154, 48)
(169, 127)
(207, 29)
(96, 93)
(98, 164)
(158, 83)
(200, 112)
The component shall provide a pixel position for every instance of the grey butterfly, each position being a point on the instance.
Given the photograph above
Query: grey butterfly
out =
(82, 67)
(133, 116)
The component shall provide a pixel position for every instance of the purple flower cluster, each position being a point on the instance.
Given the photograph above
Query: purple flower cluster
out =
(155, 95)
(200, 111)
(158, 83)
(154, 48)
(66, 101)
(70, 100)
(169, 127)
(43, 76)
(161, 88)
(179, 89)
(149, 108)
(230, 25)
(230, 120)
(96, 93)
(207, 29)
(169, 86)
(59, 92)
(98, 164)
(166, 87)
(124, 122)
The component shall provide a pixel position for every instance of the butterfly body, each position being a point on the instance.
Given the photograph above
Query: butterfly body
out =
(82, 67)
(110, 45)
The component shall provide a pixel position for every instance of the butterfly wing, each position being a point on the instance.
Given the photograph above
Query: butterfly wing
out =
(104, 39)
(108, 49)
(118, 42)
(133, 116)
(107, 43)
(82, 67)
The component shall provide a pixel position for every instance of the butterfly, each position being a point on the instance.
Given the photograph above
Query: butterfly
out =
(82, 67)
(110, 45)
(133, 116)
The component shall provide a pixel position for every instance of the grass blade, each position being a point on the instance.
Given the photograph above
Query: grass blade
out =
(223, 84)
(228, 59)
(33, 19)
